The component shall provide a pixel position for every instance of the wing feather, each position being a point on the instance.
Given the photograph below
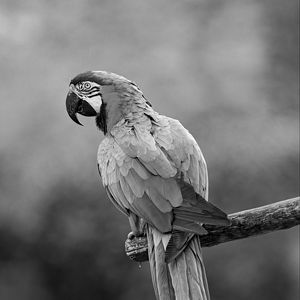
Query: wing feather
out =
(140, 169)
(160, 202)
(117, 204)
(125, 166)
(117, 192)
(113, 176)
(188, 226)
(149, 167)
(193, 172)
(111, 166)
(126, 190)
(152, 214)
(135, 183)
(168, 188)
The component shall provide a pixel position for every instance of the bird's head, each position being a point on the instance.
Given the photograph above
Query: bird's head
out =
(106, 96)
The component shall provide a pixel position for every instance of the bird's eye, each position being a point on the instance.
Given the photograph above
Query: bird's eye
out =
(87, 85)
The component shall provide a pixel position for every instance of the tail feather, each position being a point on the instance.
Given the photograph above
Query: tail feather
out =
(159, 270)
(177, 243)
(188, 273)
(184, 277)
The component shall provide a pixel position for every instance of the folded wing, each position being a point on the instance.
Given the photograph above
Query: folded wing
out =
(161, 176)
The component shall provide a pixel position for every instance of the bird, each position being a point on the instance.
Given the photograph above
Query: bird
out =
(154, 172)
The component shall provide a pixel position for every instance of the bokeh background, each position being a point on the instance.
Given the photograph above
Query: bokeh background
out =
(227, 69)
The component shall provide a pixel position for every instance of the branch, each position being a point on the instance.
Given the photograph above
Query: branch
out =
(252, 222)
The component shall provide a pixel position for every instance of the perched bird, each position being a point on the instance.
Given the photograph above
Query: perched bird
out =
(154, 172)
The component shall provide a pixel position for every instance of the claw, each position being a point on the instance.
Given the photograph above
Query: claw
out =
(131, 236)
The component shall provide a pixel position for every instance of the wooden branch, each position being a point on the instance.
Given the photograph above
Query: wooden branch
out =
(276, 216)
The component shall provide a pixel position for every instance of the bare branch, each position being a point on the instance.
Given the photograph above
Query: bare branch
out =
(276, 216)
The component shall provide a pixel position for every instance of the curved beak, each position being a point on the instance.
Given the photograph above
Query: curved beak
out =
(76, 105)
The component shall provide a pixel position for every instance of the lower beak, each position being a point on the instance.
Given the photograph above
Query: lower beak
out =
(76, 105)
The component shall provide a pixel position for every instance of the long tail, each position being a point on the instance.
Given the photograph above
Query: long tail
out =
(183, 278)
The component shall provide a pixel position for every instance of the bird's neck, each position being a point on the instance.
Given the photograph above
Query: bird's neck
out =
(101, 119)
(117, 107)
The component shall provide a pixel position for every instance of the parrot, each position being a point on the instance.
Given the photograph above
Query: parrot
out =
(154, 172)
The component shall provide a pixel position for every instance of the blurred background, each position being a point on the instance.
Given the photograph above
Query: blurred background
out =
(228, 70)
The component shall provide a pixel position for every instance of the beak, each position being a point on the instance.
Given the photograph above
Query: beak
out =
(76, 105)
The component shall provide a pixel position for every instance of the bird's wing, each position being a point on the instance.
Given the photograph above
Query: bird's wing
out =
(155, 172)
(192, 178)
(134, 189)
(182, 149)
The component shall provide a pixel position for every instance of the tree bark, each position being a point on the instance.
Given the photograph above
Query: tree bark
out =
(252, 222)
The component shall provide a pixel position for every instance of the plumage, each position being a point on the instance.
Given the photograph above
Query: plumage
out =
(168, 188)
(119, 205)
(136, 183)
(158, 199)
(177, 243)
(152, 214)
(152, 168)
(140, 169)
(183, 224)
(164, 191)
(118, 195)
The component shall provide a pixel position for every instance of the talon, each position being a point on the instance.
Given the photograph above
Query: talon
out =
(130, 236)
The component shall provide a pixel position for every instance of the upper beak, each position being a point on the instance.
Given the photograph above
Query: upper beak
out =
(76, 105)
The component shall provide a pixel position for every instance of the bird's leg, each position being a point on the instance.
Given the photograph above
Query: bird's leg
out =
(137, 226)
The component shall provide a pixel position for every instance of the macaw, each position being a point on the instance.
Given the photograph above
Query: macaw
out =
(154, 172)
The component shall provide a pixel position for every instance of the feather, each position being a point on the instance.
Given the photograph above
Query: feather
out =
(193, 172)
(136, 184)
(160, 237)
(164, 166)
(111, 165)
(196, 209)
(139, 169)
(159, 269)
(177, 244)
(152, 261)
(185, 163)
(118, 195)
(168, 188)
(117, 204)
(188, 226)
(201, 216)
(179, 275)
(118, 154)
(126, 190)
(159, 165)
(148, 166)
(126, 165)
(164, 138)
(113, 177)
(194, 274)
(145, 138)
(150, 212)
(160, 202)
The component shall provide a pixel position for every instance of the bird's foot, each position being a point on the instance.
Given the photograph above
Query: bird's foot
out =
(130, 235)
(134, 234)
